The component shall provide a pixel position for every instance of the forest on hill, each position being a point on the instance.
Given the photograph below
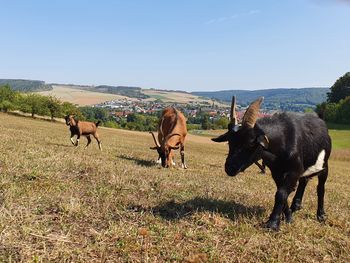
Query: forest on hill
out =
(24, 85)
(131, 92)
(283, 99)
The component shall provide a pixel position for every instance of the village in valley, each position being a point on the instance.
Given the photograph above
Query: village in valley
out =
(121, 108)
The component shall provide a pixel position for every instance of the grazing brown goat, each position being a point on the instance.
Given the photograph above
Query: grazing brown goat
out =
(172, 132)
(84, 128)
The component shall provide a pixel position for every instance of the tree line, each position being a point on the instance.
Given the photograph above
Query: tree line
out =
(337, 107)
(34, 103)
(24, 85)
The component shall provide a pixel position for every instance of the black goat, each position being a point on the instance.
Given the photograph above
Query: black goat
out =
(294, 146)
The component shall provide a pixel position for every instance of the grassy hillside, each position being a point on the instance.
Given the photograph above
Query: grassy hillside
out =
(178, 97)
(79, 96)
(61, 203)
(83, 95)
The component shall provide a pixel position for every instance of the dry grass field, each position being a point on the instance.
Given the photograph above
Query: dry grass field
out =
(173, 96)
(83, 97)
(79, 96)
(59, 203)
(178, 97)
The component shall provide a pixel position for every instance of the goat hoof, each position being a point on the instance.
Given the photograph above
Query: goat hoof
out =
(295, 207)
(272, 225)
(321, 217)
(289, 219)
(183, 166)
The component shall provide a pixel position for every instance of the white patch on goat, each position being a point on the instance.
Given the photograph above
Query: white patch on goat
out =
(71, 139)
(159, 160)
(318, 166)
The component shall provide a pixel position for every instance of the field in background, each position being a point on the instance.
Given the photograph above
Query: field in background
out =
(61, 203)
(173, 96)
(79, 96)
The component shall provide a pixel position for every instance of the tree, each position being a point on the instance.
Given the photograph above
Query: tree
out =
(6, 106)
(344, 111)
(8, 98)
(206, 125)
(68, 108)
(340, 89)
(34, 104)
(94, 113)
(221, 123)
(54, 106)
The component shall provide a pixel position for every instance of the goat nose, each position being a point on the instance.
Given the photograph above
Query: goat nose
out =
(231, 170)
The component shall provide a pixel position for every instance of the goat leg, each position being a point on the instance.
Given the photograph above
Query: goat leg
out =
(71, 136)
(182, 153)
(89, 141)
(98, 140)
(261, 166)
(298, 198)
(321, 215)
(284, 188)
(287, 213)
(77, 141)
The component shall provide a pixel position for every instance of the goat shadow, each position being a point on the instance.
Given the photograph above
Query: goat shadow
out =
(138, 161)
(172, 210)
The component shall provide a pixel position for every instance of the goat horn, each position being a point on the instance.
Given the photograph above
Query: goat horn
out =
(251, 115)
(154, 138)
(233, 115)
(161, 126)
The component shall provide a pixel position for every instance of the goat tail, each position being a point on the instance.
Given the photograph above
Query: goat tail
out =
(97, 123)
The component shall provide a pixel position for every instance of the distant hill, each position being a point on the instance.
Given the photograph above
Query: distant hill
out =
(275, 99)
(131, 92)
(24, 85)
(283, 99)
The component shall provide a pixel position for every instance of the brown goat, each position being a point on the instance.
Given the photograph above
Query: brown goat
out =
(84, 128)
(172, 132)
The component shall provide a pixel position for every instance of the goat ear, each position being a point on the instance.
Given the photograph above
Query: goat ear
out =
(153, 148)
(263, 141)
(221, 138)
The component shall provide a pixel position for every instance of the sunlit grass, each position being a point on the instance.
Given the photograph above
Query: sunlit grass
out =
(61, 203)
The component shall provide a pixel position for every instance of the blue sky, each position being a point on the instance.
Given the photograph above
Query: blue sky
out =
(185, 44)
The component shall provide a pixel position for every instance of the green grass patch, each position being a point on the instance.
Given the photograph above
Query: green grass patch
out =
(340, 139)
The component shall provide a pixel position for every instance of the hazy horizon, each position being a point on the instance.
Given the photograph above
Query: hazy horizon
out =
(184, 45)
(103, 84)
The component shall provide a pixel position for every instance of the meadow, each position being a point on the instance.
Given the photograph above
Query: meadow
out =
(80, 97)
(60, 203)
